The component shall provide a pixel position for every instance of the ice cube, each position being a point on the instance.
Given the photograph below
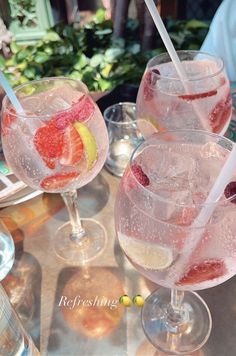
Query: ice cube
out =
(167, 169)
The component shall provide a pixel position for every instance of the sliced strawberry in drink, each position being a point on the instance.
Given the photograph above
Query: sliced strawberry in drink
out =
(139, 174)
(190, 97)
(150, 79)
(48, 141)
(81, 111)
(130, 182)
(204, 271)
(73, 147)
(230, 191)
(58, 180)
(220, 114)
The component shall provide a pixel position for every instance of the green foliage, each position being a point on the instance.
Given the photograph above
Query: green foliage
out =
(91, 55)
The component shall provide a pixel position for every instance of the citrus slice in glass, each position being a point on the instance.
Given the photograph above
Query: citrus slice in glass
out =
(145, 254)
(146, 126)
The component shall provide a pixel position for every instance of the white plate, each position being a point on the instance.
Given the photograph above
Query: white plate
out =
(12, 190)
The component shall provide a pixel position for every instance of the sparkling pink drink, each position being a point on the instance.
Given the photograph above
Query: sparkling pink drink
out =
(202, 101)
(161, 194)
(60, 141)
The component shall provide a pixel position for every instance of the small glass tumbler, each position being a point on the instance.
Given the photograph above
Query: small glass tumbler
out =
(13, 338)
(124, 135)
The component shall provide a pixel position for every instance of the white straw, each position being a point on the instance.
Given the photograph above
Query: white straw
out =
(165, 38)
(10, 93)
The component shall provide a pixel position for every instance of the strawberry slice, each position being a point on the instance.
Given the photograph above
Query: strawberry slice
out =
(190, 97)
(204, 271)
(81, 111)
(130, 182)
(48, 141)
(150, 79)
(73, 147)
(220, 114)
(58, 180)
(140, 175)
(230, 191)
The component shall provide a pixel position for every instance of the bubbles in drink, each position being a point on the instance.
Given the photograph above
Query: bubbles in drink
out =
(154, 221)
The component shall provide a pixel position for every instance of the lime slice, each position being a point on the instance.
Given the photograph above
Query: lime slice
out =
(89, 142)
(147, 255)
(146, 127)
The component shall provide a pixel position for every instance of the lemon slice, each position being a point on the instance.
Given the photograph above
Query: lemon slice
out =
(147, 255)
(146, 127)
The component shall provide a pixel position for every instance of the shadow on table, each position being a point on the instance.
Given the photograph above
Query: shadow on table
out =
(87, 317)
(93, 196)
(221, 302)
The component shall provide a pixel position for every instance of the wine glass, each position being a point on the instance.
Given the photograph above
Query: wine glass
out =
(202, 101)
(58, 144)
(157, 216)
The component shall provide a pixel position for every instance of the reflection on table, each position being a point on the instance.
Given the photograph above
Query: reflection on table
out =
(40, 280)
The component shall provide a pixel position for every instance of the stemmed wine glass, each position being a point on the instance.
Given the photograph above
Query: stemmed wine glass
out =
(202, 101)
(57, 144)
(157, 216)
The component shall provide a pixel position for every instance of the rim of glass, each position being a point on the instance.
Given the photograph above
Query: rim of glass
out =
(6, 100)
(119, 123)
(216, 58)
(169, 201)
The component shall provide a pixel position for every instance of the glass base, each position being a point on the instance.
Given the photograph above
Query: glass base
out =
(176, 335)
(84, 249)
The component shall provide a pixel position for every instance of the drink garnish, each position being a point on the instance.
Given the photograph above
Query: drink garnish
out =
(147, 126)
(150, 81)
(139, 174)
(146, 254)
(81, 111)
(89, 143)
(58, 180)
(207, 270)
(49, 141)
(73, 147)
(190, 97)
(230, 191)
(220, 114)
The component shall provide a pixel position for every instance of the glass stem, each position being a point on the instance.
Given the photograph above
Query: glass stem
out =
(175, 309)
(176, 299)
(71, 202)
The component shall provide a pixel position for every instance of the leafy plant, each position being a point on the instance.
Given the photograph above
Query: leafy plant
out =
(92, 55)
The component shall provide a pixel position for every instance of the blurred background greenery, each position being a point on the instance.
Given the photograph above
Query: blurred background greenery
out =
(90, 52)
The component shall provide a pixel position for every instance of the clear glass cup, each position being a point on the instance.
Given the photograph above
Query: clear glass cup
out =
(200, 101)
(13, 338)
(7, 251)
(123, 135)
(158, 224)
(57, 145)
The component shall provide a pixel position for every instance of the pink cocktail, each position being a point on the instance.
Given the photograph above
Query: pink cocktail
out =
(58, 144)
(160, 197)
(201, 101)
